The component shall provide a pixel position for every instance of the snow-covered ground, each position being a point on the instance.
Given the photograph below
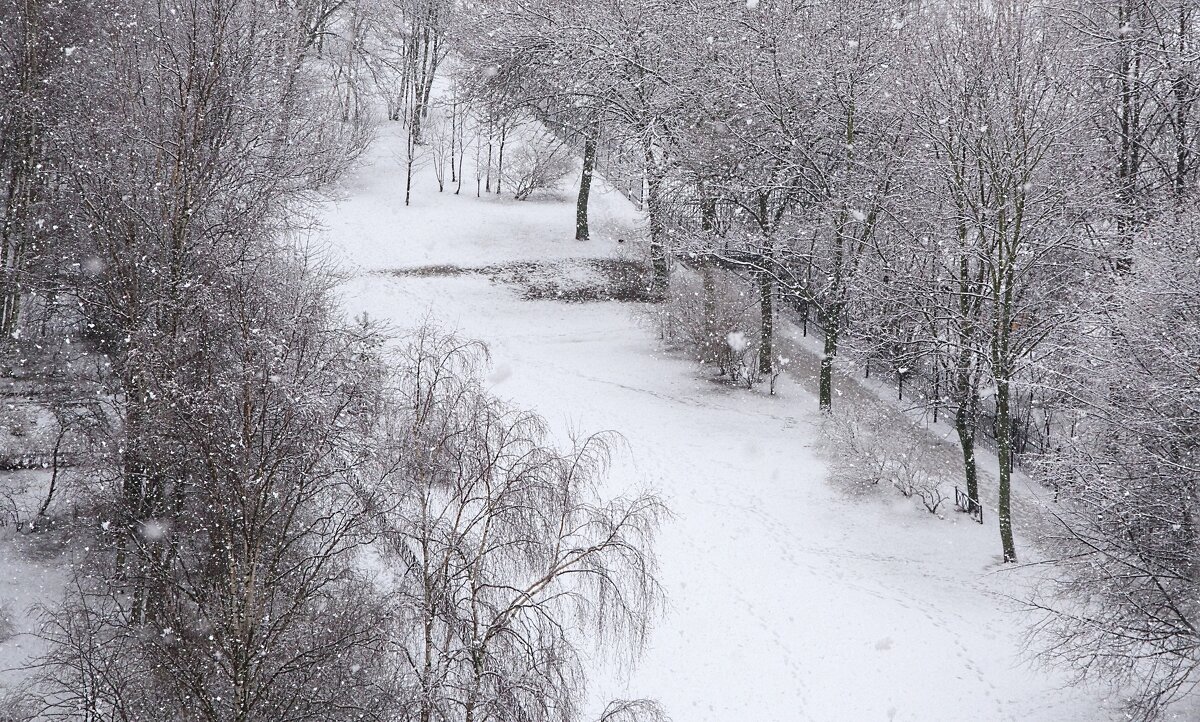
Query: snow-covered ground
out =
(788, 600)
(32, 573)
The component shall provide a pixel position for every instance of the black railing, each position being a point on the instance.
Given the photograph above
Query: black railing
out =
(968, 505)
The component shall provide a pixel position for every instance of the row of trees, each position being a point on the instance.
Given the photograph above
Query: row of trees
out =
(930, 213)
(281, 522)
(995, 201)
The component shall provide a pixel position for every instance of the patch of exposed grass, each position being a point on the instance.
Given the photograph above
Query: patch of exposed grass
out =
(587, 280)
(434, 271)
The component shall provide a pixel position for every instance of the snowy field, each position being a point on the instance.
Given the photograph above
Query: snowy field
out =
(787, 599)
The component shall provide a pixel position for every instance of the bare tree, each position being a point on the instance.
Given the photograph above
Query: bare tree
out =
(633, 710)
(583, 66)
(1121, 597)
(239, 596)
(502, 548)
(37, 53)
(998, 127)
(222, 574)
(1143, 94)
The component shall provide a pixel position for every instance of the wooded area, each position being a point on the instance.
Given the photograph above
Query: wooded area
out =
(991, 204)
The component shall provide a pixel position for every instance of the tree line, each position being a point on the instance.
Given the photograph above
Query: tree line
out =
(990, 203)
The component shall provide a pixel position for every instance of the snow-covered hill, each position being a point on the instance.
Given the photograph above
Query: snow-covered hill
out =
(788, 600)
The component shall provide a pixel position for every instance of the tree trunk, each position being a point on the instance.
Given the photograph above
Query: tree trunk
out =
(709, 282)
(408, 179)
(14, 239)
(19, 158)
(937, 392)
(462, 150)
(1004, 452)
(708, 215)
(964, 424)
(1129, 158)
(487, 181)
(1184, 91)
(420, 72)
(585, 189)
(58, 440)
(830, 321)
(453, 141)
(766, 351)
(429, 615)
(654, 210)
(964, 386)
(1002, 373)
(500, 158)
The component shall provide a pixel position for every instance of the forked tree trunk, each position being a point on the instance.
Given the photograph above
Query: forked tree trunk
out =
(1002, 372)
(1004, 451)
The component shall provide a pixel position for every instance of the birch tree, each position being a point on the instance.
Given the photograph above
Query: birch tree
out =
(503, 549)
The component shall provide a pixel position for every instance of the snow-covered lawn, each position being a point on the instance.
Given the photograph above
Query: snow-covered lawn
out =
(31, 573)
(788, 600)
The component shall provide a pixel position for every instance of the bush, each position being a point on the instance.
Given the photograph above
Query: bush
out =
(538, 162)
(872, 448)
(712, 318)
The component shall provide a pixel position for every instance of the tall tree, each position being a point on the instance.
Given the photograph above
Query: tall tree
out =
(999, 126)
(1143, 88)
(37, 52)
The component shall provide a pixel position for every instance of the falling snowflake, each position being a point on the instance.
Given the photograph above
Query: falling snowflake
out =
(154, 530)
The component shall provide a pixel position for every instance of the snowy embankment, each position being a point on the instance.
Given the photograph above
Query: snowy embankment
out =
(788, 600)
